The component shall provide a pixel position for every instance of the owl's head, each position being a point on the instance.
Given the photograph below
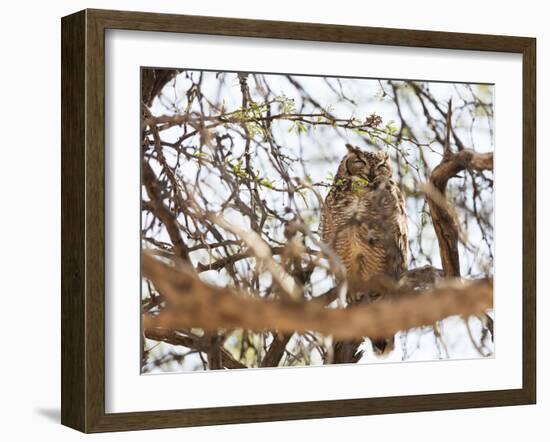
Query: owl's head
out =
(371, 166)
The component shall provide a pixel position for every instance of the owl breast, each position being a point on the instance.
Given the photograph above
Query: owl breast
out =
(368, 231)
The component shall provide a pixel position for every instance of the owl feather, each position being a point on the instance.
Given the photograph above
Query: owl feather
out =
(365, 222)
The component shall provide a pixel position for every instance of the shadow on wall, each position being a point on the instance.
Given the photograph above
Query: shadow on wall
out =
(51, 414)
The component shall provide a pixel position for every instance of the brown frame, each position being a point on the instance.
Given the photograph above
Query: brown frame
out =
(83, 216)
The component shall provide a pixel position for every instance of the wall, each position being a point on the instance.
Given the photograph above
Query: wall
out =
(29, 371)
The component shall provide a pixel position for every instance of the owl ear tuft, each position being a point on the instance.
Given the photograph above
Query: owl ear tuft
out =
(351, 148)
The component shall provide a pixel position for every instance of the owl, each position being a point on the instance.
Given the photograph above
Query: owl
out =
(364, 221)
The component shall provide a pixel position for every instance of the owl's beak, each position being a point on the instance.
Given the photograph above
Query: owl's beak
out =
(369, 177)
(365, 177)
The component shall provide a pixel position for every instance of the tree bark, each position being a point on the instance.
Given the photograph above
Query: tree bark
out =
(192, 303)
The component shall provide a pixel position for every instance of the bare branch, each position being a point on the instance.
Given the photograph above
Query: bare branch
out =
(162, 212)
(174, 338)
(445, 224)
(194, 303)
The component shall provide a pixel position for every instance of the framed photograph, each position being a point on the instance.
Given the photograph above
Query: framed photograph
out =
(270, 220)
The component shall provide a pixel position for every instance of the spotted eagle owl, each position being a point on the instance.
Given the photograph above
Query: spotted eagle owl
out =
(364, 221)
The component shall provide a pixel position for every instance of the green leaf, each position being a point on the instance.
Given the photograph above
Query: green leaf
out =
(266, 183)
(301, 127)
(359, 184)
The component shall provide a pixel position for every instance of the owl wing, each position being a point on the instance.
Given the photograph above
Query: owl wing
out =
(326, 222)
(401, 234)
(388, 227)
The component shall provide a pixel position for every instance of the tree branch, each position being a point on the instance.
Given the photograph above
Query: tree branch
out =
(276, 350)
(196, 343)
(163, 213)
(193, 303)
(445, 224)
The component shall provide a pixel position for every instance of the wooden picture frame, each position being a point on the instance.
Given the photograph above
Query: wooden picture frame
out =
(83, 219)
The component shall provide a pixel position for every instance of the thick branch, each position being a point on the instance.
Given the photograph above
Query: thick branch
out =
(464, 160)
(193, 303)
(174, 338)
(163, 213)
(152, 82)
(444, 222)
(276, 350)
